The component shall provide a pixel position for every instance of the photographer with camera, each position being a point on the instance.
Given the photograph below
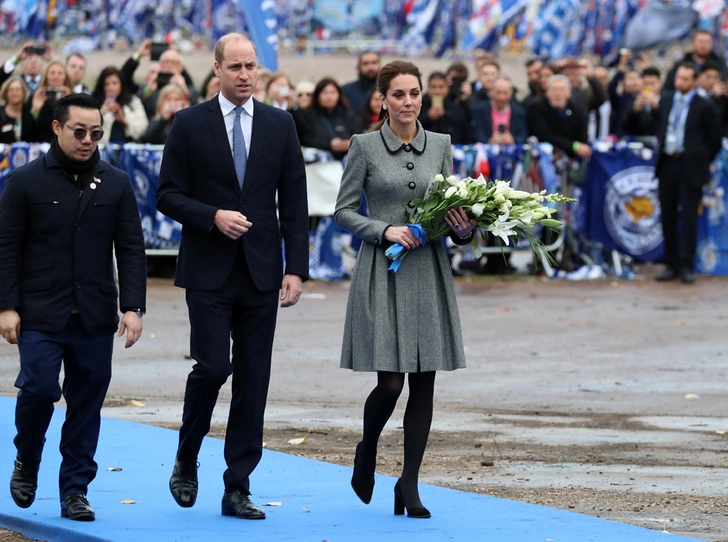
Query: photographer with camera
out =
(31, 58)
(644, 117)
(171, 72)
(55, 83)
(171, 99)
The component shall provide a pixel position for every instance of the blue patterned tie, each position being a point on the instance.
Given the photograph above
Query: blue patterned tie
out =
(240, 155)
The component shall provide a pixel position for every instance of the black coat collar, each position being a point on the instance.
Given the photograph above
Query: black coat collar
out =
(394, 143)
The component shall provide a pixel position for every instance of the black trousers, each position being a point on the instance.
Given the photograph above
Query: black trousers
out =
(87, 364)
(679, 204)
(240, 310)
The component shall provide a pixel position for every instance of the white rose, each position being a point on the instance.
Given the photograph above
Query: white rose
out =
(439, 178)
(452, 180)
(478, 209)
(450, 191)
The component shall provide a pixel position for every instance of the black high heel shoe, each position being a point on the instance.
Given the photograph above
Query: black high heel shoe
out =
(399, 506)
(363, 491)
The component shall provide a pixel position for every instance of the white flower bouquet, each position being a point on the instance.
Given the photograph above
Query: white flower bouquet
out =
(498, 209)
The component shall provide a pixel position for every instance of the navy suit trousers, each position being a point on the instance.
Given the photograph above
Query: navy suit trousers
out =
(87, 366)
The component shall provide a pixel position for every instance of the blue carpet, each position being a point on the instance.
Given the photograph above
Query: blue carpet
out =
(317, 502)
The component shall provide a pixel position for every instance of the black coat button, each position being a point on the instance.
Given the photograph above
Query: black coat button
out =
(78, 285)
(407, 148)
(410, 166)
(376, 241)
(78, 228)
(412, 185)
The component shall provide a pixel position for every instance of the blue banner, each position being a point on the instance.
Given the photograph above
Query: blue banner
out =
(142, 165)
(326, 262)
(557, 29)
(261, 22)
(620, 204)
(712, 252)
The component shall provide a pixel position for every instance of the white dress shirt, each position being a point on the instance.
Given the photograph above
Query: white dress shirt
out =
(246, 120)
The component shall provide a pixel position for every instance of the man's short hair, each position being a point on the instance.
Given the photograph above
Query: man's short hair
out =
(223, 41)
(436, 75)
(692, 66)
(84, 101)
(709, 65)
(701, 31)
(458, 67)
(531, 61)
(559, 78)
(367, 52)
(653, 71)
(77, 55)
(491, 63)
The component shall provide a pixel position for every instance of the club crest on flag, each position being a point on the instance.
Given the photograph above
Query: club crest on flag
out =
(632, 209)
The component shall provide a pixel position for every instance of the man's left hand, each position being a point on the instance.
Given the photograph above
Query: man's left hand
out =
(291, 290)
(132, 325)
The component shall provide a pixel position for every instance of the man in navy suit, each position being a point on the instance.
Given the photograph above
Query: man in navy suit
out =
(689, 138)
(224, 163)
(60, 218)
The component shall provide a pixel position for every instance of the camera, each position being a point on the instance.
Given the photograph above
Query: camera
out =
(455, 90)
(52, 94)
(35, 50)
(501, 128)
(163, 79)
(157, 49)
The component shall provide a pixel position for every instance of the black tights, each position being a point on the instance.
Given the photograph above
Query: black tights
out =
(417, 419)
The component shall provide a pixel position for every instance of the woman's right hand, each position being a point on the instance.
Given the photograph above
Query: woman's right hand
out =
(107, 106)
(402, 235)
(39, 98)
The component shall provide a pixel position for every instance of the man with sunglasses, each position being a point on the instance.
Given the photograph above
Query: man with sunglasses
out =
(60, 217)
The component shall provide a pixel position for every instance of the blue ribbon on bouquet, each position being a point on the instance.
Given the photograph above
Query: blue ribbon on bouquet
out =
(395, 252)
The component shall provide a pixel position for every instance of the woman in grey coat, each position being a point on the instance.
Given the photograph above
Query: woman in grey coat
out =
(403, 323)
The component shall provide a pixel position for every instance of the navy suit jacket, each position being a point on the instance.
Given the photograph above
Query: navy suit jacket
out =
(483, 123)
(56, 247)
(703, 134)
(198, 178)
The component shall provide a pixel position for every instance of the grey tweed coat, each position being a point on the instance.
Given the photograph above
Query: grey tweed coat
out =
(395, 320)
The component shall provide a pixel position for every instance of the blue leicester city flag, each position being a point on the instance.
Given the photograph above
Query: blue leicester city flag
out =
(621, 204)
(143, 165)
(712, 253)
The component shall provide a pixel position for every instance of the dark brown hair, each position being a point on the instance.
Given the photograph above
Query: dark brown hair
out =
(343, 103)
(384, 80)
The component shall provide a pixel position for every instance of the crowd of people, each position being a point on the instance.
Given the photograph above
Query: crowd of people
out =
(568, 103)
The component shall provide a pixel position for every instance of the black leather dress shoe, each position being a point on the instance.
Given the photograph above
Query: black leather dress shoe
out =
(23, 483)
(687, 277)
(238, 504)
(77, 508)
(668, 274)
(183, 483)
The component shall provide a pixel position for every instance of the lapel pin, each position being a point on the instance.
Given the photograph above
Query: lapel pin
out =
(93, 187)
